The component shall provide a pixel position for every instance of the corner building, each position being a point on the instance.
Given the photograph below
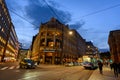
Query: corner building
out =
(114, 45)
(8, 38)
(53, 44)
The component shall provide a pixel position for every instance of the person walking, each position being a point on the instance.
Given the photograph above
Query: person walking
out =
(38, 62)
(100, 66)
(111, 66)
(119, 67)
(116, 69)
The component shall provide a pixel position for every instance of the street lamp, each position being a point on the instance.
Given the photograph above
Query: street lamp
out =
(70, 32)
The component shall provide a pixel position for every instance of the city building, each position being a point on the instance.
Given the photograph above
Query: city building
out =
(23, 53)
(56, 43)
(8, 39)
(91, 50)
(114, 45)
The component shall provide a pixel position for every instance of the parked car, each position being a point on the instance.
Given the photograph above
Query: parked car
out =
(89, 65)
(69, 64)
(27, 63)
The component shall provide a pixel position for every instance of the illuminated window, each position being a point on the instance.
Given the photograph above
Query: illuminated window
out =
(51, 44)
(43, 34)
(0, 27)
(49, 41)
(42, 42)
(49, 34)
(4, 22)
(2, 30)
(88, 46)
(2, 19)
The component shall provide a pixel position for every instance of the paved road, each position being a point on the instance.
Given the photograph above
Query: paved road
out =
(45, 72)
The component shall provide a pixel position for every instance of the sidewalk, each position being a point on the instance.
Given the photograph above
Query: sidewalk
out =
(108, 74)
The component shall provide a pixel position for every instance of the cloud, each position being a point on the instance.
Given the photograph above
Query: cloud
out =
(41, 12)
(77, 25)
(25, 44)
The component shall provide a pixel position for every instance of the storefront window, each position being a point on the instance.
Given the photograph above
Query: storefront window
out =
(42, 42)
(49, 42)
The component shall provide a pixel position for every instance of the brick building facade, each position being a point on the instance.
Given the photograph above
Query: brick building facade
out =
(114, 45)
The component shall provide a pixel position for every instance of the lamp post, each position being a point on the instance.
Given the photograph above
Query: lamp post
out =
(70, 33)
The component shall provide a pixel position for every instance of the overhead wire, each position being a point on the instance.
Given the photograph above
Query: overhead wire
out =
(98, 11)
(22, 17)
(31, 22)
(52, 10)
(60, 18)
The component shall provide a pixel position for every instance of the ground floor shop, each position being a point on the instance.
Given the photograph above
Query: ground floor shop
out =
(54, 58)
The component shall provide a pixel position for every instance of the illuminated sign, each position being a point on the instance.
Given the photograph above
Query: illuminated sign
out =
(49, 50)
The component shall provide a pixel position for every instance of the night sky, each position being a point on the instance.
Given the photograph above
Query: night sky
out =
(93, 19)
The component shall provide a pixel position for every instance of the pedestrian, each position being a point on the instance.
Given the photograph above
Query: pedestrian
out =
(116, 68)
(111, 66)
(106, 63)
(38, 62)
(100, 66)
(119, 67)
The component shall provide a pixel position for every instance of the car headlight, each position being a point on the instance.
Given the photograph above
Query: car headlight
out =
(29, 64)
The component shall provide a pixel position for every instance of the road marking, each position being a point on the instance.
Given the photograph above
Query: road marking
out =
(17, 67)
(28, 77)
(12, 67)
(3, 68)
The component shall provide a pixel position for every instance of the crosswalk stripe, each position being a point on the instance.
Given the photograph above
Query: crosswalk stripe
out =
(3, 68)
(12, 67)
(17, 67)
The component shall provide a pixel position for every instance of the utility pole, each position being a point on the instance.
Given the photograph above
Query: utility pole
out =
(5, 46)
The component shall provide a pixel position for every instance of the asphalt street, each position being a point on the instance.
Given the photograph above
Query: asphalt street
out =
(45, 72)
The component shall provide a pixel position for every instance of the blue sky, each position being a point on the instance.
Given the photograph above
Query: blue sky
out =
(93, 19)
